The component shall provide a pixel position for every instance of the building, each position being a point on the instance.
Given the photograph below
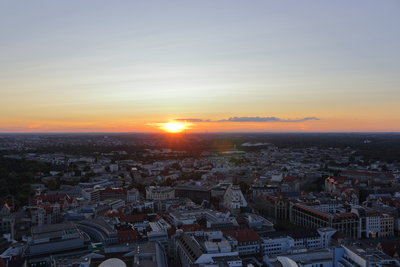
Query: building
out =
(365, 176)
(149, 254)
(56, 238)
(333, 184)
(44, 214)
(6, 220)
(247, 241)
(318, 258)
(196, 193)
(113, 193)
(356, 256)
(213, 219)
(91, 194)
(202, 248)
(262, 190)
(312, 217)
(132, 195)
(258, 223)
(233, 199)
(99, 230)
(127, 234)
(296, 241)
(72, 262)
(159, 231)
(373, 223)
(160, 192)
(387, 225)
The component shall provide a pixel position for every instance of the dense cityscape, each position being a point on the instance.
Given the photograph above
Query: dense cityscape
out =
(199, 200)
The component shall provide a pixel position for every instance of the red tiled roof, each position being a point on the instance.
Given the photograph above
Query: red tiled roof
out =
(171, 232)
(315, 211)
(115, 190)
(8, 202)
(243, 235)
(191, 227)
(289, 179)
(47, 208)
(390, 248)
(339, 179)
(129, 218)
(128, 235)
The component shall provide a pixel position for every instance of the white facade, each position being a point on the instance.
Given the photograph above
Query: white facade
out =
(91, 195)
(289, 244)
(233, 199)
(159, 193)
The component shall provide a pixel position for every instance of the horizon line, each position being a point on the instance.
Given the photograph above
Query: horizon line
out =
(203, 132)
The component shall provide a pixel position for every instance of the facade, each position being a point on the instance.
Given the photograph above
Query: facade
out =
(262, 190)
(113, 193)
(334, 184)
(132, 195)
(6, 220)
(258, 223)
(99, 230)
(202, 247)
(55, 238)
(373, 223)
(233, 199)
(296, 241)
(387, 225)
(196, 193)
(164, 205)
(355, 256)
(367, 175)
(213, 219)
(160, 193)
(310, 216)
(159, 231)
(44, 214)
(247, 241)
(276, 207)
(91, 195)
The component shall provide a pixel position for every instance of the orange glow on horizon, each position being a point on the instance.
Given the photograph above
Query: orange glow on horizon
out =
(325, 124)
(174, 126)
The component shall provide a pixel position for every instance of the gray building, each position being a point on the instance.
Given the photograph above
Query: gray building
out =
(56, 238)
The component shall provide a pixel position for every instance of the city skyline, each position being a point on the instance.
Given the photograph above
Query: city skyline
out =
(216, 66)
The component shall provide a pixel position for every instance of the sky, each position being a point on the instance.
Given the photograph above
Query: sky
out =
(219, 65)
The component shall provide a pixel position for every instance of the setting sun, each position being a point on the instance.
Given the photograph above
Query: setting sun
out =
(174, 127)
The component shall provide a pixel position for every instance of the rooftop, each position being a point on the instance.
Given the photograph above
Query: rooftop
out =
(243, 235)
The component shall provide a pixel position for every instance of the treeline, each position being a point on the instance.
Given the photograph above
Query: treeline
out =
(16, 177)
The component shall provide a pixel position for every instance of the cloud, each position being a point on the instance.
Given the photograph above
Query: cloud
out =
(250, 119)
(193, 120)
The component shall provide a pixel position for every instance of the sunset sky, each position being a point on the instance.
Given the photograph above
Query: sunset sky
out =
(127, 66)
